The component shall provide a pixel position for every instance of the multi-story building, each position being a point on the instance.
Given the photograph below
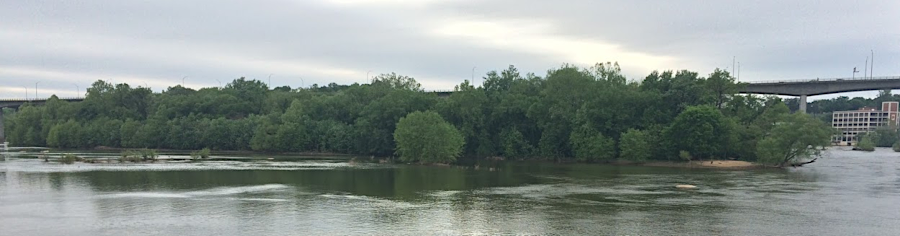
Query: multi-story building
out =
(853, 123)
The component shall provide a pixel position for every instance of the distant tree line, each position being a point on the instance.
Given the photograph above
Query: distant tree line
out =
(586, 114)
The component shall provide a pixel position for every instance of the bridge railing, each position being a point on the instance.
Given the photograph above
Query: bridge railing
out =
(824, 80)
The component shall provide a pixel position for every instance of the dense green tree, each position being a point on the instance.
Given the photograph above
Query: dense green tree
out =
(866, 143)
(794, 139)
(635, 145)
(885, 136)
(428, 138)
(570, 114)
(590, 145)
(699, 130)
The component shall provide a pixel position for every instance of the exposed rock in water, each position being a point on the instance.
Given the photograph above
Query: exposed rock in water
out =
(685, 186)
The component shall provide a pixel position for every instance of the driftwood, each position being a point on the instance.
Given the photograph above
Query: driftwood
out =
(804, 163)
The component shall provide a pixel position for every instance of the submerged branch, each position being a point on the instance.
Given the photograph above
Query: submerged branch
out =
(804, 163)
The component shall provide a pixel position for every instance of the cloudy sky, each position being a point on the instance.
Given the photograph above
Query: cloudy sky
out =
(65, 45)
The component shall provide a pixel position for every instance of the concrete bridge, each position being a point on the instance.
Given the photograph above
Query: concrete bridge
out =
(805, 88)
(16, 103)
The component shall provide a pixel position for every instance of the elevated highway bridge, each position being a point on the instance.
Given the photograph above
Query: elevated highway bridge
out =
(806, 88)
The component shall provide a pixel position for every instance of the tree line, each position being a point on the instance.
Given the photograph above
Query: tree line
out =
(571, 113)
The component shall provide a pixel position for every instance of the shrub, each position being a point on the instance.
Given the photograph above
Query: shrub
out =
(69, 158)
(148, 154)
(200, 154)
(866, 143)
(138, 155)
(685, 155)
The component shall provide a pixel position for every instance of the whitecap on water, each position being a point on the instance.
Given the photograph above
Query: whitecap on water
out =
(221, 191)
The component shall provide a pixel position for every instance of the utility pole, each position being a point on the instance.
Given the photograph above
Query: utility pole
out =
(473, 76)
(732, 62)
(866, 69)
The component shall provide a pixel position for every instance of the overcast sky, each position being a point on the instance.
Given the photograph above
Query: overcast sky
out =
(65, 45)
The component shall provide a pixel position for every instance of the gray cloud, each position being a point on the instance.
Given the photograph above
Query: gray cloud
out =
(436, 41)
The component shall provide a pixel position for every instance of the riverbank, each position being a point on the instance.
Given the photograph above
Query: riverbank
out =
(715, 164)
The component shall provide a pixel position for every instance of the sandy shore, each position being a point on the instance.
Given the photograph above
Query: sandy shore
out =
(717, 164)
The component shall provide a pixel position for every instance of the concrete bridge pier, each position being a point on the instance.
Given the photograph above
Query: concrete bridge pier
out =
(803, 103)
(2, 135)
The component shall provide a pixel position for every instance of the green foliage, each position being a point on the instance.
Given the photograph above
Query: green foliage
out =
(700, 130)
(885, 136)
(896, 147)
(685, 155)
(569, 114)
(635, 146)
(426, 137)
(200, 154)
(70, 158)
(139, 155)
(130, 156)
(866, 143)
(793, 138)
(590, 145)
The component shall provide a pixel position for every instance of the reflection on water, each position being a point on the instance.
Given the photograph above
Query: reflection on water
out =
(846, 193)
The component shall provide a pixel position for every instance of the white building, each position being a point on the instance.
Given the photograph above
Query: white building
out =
(852, 123)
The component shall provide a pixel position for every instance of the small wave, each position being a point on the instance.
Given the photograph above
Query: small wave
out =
(444, 193)
(146, 195)
(237, 190)
(223, 191)
(262, 199)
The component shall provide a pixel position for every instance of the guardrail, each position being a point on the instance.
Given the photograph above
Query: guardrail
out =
(825, 80)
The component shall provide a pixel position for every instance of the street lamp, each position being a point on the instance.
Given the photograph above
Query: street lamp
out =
(182, 81)
(302, 83)
(220, 82)
(854, 72)
(77, 90)
(35, 89)
(872, 65)
(26, 92)
(270, 80)
(473, 75)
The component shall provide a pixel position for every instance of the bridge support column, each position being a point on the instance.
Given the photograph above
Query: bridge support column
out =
(2, 135)
(803, 103)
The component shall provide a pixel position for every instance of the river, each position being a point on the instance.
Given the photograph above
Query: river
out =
(844, 193)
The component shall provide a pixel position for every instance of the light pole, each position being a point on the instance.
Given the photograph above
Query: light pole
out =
(367, 76)
(873, 64)
(270, 81)
(26, 92)
(854, 72)
(220, 82)
(182, 81)
(35, 89)
(302, 83)
(77, 90)
(473, 76)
